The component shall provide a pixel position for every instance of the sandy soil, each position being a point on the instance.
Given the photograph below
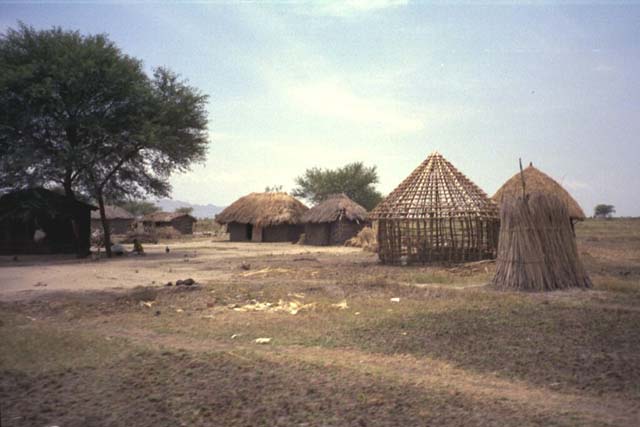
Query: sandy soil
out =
(203, 259)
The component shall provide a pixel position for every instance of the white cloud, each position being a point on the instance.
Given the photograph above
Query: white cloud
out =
(347, 8)
(336, 100)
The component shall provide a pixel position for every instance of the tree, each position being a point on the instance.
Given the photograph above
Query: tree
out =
(77, 112)
(604, 211)
(354, 179)
(185, 210)
(138, 207)
(273, 188)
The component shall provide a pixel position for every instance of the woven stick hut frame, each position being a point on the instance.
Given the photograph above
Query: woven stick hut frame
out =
(436, 214)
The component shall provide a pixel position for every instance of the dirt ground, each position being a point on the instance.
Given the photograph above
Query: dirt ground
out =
(288, 335)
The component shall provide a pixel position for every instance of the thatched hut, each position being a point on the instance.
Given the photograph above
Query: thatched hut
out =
(264, 217)
(333, 221)
(39, 221)
(537, 249)
(180, 222)
(537, 181)
(120, 221)
(436, 214)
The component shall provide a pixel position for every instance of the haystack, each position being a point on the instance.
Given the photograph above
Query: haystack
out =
(333, 221)
(264, 217)
(436, 214)
(537, 181)
(537, 249)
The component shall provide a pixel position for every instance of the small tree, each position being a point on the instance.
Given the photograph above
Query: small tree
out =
(604, 211)
(273, 188)
(185, 210)
(355, 180)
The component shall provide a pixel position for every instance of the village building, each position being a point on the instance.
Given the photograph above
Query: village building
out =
(40, 221)
(536, 181)
(120, 221)
(436, 214)
(333, 221)
(264, 217)
(180, 222)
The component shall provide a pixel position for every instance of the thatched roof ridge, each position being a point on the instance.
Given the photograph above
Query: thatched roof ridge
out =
(436, 189)
(263, 209)
(537, 181)
(164, 216)
(335, 207)
(113, 212)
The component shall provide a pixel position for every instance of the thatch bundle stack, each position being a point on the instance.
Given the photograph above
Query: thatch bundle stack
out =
(537, 248)
(365, 239)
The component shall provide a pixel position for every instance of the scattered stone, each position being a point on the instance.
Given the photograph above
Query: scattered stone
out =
(185, 282)
(167, 250)
(179, 310)
(169, 284)
(263, 340)
(157, 313)
(395, 300)
(245, 266)
(40, 284)
(342, 305)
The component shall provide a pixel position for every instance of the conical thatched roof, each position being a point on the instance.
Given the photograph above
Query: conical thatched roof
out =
(263, 209)
(435, 189)
(335, 207)
(537, 181)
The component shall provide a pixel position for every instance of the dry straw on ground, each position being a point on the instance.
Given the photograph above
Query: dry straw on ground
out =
(537, 248)
(365, 239)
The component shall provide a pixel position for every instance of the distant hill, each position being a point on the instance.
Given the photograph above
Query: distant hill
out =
(199, 211)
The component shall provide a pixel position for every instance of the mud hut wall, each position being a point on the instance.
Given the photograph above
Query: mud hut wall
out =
(117, 225)
(428, 240)
(282, 233)
(16, 236)
(317, 234)
(237, 232)
(183, 224)
(342, 230)
(257, 233)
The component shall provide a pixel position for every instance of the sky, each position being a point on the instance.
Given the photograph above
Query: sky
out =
(299, 84)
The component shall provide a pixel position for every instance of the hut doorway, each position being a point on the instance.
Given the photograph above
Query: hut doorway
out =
(249, 232)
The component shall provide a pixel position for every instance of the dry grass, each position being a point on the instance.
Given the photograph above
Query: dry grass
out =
(399, 354)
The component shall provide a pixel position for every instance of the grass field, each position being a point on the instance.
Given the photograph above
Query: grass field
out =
(368, 345)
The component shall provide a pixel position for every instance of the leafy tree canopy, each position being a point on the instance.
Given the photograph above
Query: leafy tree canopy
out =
(76, 112)
(604, 211)
(355, 180)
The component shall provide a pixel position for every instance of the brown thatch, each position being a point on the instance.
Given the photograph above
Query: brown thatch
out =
(537, 249)
(436, 214)
(263, 210)
(335, 207)
(158, 217)
(537, 181)
(113, 212)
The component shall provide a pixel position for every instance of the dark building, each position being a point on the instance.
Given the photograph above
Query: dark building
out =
(120, 220)
(264, 217)
(182, 223)
(333, 221)
(40, 221)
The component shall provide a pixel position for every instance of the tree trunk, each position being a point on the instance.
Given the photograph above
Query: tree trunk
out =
(105, 224)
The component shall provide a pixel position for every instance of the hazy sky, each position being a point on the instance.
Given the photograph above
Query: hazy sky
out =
(299, 84)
